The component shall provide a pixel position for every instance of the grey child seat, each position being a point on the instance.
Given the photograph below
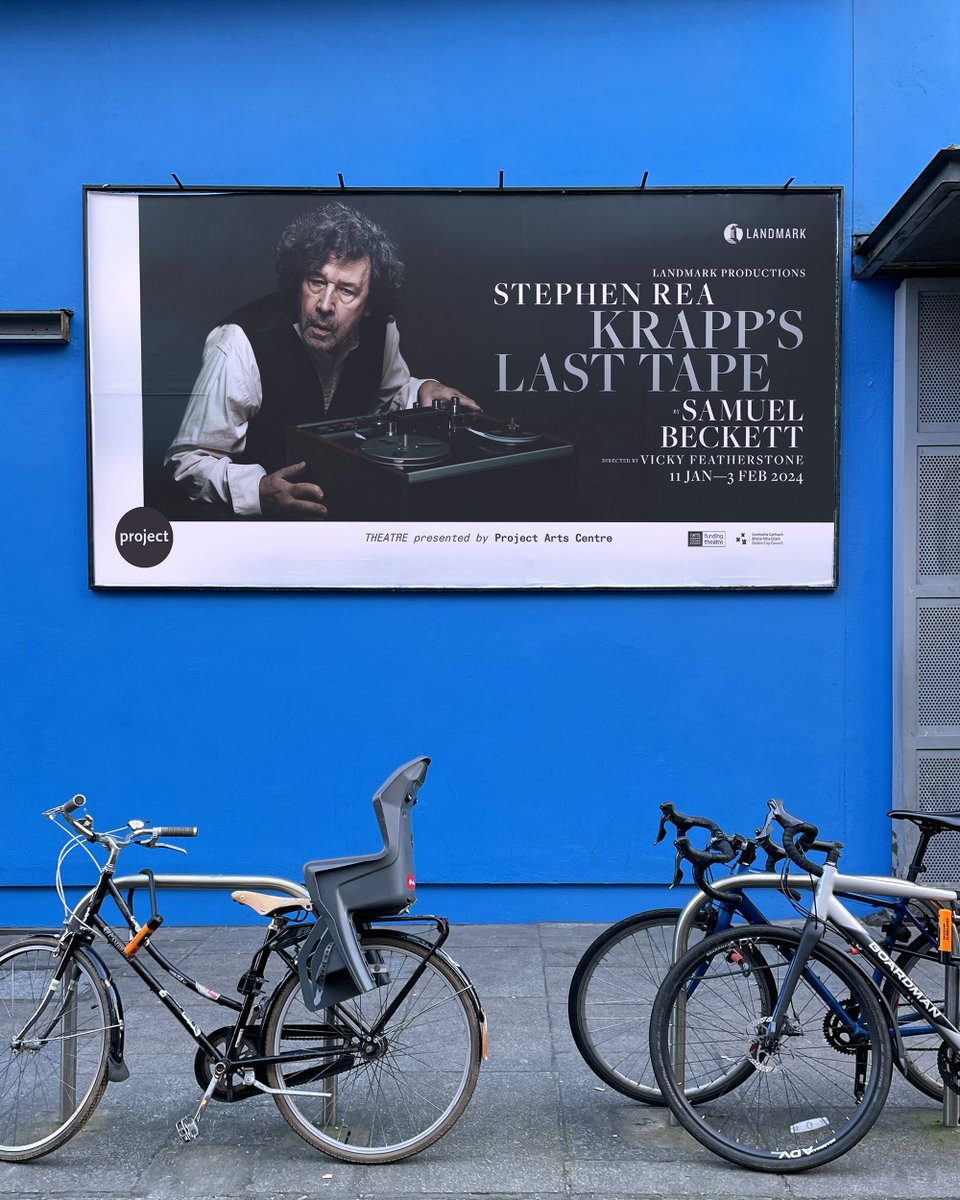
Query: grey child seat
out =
(344, 891)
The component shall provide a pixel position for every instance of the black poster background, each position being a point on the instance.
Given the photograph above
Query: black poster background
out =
(203, 255)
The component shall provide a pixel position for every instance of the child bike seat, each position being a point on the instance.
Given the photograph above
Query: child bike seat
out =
(332, 966)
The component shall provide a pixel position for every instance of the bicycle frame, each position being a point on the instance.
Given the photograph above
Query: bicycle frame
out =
(827, 909)
(87, 921)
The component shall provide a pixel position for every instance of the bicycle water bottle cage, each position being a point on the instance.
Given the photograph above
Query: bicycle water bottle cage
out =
(344, 891)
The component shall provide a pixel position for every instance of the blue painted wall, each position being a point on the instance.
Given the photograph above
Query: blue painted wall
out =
(557, 723)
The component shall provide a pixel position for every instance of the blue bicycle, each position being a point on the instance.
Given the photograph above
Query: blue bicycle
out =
(617, 978)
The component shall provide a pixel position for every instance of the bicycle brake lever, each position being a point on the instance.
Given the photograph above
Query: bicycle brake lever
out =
(166, 846)
(662, 830)
(677, 870)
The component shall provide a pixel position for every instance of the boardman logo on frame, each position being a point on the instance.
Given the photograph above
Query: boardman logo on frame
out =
(734, 233)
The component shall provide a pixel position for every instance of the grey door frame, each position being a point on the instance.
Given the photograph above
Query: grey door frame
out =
(926, 633)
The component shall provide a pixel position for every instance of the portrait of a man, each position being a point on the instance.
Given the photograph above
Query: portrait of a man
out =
(324, 345)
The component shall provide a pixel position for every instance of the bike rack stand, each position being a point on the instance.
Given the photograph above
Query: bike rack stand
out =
(272, 883)
(951, 1005)
(800, 882)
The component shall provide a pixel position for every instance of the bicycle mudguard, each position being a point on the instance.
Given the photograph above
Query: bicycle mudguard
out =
(896, 1038)
(331, 965)
(117, 1069)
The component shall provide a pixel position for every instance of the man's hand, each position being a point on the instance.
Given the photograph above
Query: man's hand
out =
(431, 390)
(281, 498)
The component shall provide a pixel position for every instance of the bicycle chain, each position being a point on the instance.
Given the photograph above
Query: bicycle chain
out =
(948, 1064)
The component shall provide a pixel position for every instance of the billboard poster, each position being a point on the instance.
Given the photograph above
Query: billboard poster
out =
(630, 388)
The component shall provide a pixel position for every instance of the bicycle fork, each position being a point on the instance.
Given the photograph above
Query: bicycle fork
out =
(781, 1024)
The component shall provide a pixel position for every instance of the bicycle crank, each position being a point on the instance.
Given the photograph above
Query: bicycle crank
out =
(229, 1087)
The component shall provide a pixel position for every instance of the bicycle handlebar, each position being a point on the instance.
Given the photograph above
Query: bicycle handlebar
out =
(683, 822)
(800, 836)
(723, 850)
(723, 853)
(145, 835)
(722, 847)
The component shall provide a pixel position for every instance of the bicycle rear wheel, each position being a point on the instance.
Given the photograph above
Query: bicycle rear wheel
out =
(404, 1088)
(53, 1069)
(611, 995)
(814, 1091)
(921, 1042)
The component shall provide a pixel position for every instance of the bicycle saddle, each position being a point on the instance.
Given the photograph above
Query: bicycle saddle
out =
(927, 820)
(332, 966)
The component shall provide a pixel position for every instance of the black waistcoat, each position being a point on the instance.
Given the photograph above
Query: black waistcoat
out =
(292, 394)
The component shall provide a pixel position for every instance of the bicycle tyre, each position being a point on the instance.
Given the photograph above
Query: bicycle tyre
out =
(811, 1096)
(921, 1049)
(47, 1093)
(413, 1089)
(611, 995)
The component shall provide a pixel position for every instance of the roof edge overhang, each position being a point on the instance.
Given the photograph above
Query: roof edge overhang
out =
(914, 237)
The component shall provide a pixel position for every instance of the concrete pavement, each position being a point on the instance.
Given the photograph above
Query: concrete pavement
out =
(540, 1126)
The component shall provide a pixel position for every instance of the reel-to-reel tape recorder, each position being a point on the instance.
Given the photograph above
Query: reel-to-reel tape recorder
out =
(443, 463)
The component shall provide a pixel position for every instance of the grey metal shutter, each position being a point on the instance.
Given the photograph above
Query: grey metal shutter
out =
(926, 618)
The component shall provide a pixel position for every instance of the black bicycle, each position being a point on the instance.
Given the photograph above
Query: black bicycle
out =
(370, 1044)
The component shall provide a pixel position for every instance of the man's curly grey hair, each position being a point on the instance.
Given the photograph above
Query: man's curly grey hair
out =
(344, 234)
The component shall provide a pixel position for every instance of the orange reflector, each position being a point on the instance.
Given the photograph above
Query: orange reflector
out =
(946, 930)
(484, 1036)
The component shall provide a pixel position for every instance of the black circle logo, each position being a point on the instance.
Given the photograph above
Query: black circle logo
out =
(144, 537)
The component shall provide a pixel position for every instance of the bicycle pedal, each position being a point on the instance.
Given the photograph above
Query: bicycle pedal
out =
(188, 1130)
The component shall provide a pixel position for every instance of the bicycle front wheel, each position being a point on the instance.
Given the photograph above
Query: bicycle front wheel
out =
(392, 1093)
(813, 1090)
(612, 992)
(53, 1047)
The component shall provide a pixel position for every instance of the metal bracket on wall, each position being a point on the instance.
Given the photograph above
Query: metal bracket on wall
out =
(49, 327)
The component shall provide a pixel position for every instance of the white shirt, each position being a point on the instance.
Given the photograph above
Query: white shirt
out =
(228, 394)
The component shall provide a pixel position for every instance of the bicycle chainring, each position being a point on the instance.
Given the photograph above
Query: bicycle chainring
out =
(840, 1036)
(227, 1091)
(948, 1064)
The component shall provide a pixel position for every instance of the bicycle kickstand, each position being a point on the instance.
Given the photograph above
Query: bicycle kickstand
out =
(188, 1128)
